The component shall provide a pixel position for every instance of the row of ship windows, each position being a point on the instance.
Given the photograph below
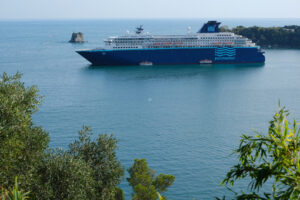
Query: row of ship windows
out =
(189, 46)
(216, 38)
(172, 41)
(125, 47)
(174, 46)
(176, 40)
(198, 42)
(190, 43)
(169, 40)
(130, 39)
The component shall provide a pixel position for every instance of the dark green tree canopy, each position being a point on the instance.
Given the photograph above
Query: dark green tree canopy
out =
(101, 157)
(278, 37)
(63, 177)
(144, 183)
(88, 170)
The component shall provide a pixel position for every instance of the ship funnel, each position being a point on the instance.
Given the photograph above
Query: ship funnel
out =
(210, 27)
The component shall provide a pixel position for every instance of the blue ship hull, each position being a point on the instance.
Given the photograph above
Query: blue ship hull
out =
(174, 56)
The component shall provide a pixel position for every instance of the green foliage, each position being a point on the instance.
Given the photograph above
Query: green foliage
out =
(14, 194)
(144, 183)
(162, 182)
(22, 145)
(100, 156)
(63, 177)
(89, 170)
(285, 37)
(119, 194)
(273, 157)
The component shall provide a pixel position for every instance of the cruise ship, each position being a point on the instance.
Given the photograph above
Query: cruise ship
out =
(207, 46)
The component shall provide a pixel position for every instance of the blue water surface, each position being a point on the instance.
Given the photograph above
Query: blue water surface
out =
(185, 120)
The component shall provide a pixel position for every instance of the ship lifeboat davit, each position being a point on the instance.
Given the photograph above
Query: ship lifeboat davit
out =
(205, 61)
(146, 63)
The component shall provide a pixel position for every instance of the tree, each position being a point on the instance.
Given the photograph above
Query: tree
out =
(101, 157)
(63, 177)
(88, 170)
(273, 157)
(22, 145)
(144, 183)
(287, 36)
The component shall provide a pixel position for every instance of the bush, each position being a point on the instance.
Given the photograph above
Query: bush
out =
(13, 194)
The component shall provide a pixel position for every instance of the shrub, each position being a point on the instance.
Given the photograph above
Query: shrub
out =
(14, 194)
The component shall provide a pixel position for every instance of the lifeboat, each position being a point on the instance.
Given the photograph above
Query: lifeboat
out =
(205, 61)
(146, 63)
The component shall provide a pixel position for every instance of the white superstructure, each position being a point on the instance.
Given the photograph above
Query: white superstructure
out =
(141, 40)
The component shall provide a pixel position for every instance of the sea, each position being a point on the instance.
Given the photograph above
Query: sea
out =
(185, 120)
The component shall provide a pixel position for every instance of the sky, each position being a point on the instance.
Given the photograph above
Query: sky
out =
(152, 9)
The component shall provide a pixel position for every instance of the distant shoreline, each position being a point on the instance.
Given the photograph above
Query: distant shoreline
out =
(285, 37)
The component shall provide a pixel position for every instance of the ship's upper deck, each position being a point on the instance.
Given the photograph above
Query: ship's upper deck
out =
(207, 36)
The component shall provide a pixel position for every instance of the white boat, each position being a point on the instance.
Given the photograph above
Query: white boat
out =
(146, 63)
(206, 61)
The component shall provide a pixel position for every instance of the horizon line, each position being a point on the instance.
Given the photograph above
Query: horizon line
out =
(130, 18)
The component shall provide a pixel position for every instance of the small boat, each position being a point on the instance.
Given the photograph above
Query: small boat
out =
(205, 61)
(146, 63)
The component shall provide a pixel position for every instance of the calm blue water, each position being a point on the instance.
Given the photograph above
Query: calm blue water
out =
(185, 120)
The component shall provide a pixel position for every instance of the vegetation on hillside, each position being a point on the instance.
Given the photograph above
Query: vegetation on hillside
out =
(274, 157)
(270, 37)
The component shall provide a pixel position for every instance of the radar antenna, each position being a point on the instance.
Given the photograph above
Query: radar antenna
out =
(189, 29)
(139, 29)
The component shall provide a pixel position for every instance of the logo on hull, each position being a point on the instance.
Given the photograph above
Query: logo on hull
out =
(225, 53)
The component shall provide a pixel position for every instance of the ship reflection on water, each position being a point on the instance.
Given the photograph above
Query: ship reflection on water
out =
(172, 71)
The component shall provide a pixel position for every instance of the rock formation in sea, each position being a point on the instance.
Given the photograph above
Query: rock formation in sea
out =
(77, 38)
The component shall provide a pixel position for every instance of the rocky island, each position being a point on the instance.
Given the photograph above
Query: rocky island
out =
(77, 38)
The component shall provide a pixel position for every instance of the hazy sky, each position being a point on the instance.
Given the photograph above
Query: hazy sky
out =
(83, 9)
